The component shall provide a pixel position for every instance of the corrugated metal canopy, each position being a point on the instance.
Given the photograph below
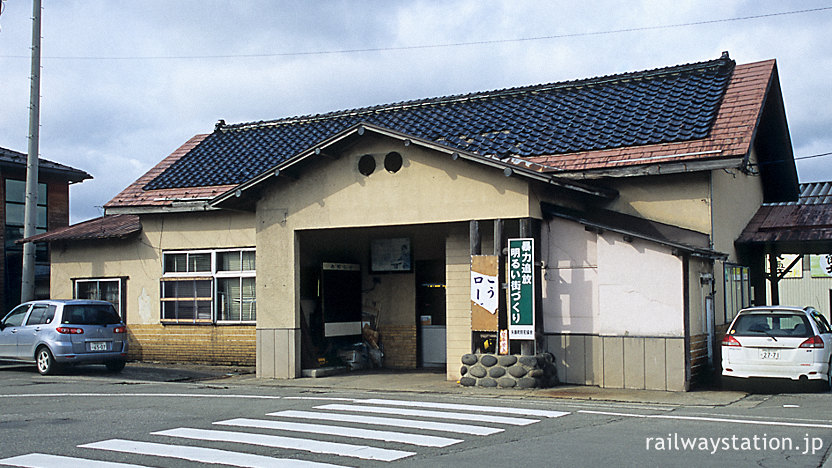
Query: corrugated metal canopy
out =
(105, 227)
(802, 226)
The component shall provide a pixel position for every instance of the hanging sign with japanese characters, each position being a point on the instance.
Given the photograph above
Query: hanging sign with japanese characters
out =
(485, 293)
(821, 266)
(521, 289)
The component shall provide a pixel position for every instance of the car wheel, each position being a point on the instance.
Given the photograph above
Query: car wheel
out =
(115, 366)
(45, 361)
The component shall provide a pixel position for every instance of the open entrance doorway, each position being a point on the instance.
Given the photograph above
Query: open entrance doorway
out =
(373, 297)
(430, 308)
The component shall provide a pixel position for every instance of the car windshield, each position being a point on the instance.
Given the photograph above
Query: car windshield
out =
(90, 314)
(773, 324)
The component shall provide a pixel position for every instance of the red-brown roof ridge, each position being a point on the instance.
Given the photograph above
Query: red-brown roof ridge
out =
(135, 195)
(731, 135)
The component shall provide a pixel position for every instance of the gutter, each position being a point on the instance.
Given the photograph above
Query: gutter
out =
(173, 207)
(671, 167)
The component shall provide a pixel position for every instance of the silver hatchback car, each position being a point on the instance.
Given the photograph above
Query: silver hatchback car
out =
(52, 333)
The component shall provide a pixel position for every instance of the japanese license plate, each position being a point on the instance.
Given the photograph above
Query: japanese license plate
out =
(769, 354)
(98, 346)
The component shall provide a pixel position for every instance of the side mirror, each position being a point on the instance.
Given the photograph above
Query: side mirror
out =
(2, 326)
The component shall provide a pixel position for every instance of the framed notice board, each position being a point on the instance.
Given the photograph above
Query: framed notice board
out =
(391, 255)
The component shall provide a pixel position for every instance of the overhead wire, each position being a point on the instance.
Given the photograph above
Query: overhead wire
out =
(813, 156)
(435, 46)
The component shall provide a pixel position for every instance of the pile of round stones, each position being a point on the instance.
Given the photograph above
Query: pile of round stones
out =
(509, 371)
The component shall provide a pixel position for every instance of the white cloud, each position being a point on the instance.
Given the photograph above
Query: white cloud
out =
(131, 113)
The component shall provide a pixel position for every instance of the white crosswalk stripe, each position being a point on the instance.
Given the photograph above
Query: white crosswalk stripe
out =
(369, 434)
(201, 454)
(344, 425)
(314, 446)
(431, 414)
(464, 407)
(41, 460)
(396, 422)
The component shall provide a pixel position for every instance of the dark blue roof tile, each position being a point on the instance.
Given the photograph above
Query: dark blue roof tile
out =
(657, 106)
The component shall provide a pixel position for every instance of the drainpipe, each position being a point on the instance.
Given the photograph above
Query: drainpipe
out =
(686, 317)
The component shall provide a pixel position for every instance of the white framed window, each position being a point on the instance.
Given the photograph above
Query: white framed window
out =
(187, 262)
(187, 300)
(209, 286)
(101, 289)
(737, 289)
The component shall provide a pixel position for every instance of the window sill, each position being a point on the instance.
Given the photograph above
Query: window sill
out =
(184, 322)
(206, 323)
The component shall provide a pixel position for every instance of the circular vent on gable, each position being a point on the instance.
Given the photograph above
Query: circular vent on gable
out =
(393, 162)
(367, 164)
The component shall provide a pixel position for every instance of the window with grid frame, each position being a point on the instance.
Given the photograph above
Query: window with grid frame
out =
(15, 202)
(187, 300)
(102, 289)
(737, 286)
(215, 286)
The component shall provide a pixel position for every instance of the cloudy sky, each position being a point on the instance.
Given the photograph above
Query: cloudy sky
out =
(126, 83)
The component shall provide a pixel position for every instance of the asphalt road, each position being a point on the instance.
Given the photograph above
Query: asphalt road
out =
(188, 417)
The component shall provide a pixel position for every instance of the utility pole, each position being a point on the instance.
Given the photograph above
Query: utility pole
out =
(27, 291)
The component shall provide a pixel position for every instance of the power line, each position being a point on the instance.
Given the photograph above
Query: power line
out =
(813, 156)
(437, 46)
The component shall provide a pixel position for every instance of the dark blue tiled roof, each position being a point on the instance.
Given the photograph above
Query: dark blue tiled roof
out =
(16, 158)
(658, 106)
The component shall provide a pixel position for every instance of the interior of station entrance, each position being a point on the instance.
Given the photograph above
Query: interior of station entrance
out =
(354, 299)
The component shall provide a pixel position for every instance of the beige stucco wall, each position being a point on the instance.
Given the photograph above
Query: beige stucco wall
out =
(429, 188)
(331, 193)
(570, 280)
(640, 288)
(737, 196)
(600, 284)
(679, 199)
(140, 260)
(613, 310)
(718, 203)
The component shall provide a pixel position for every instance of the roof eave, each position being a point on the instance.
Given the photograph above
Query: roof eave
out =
(669, 167)
(771, 130)
(510, 166)
(177, 207)
(677, 247)
(91, 230)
